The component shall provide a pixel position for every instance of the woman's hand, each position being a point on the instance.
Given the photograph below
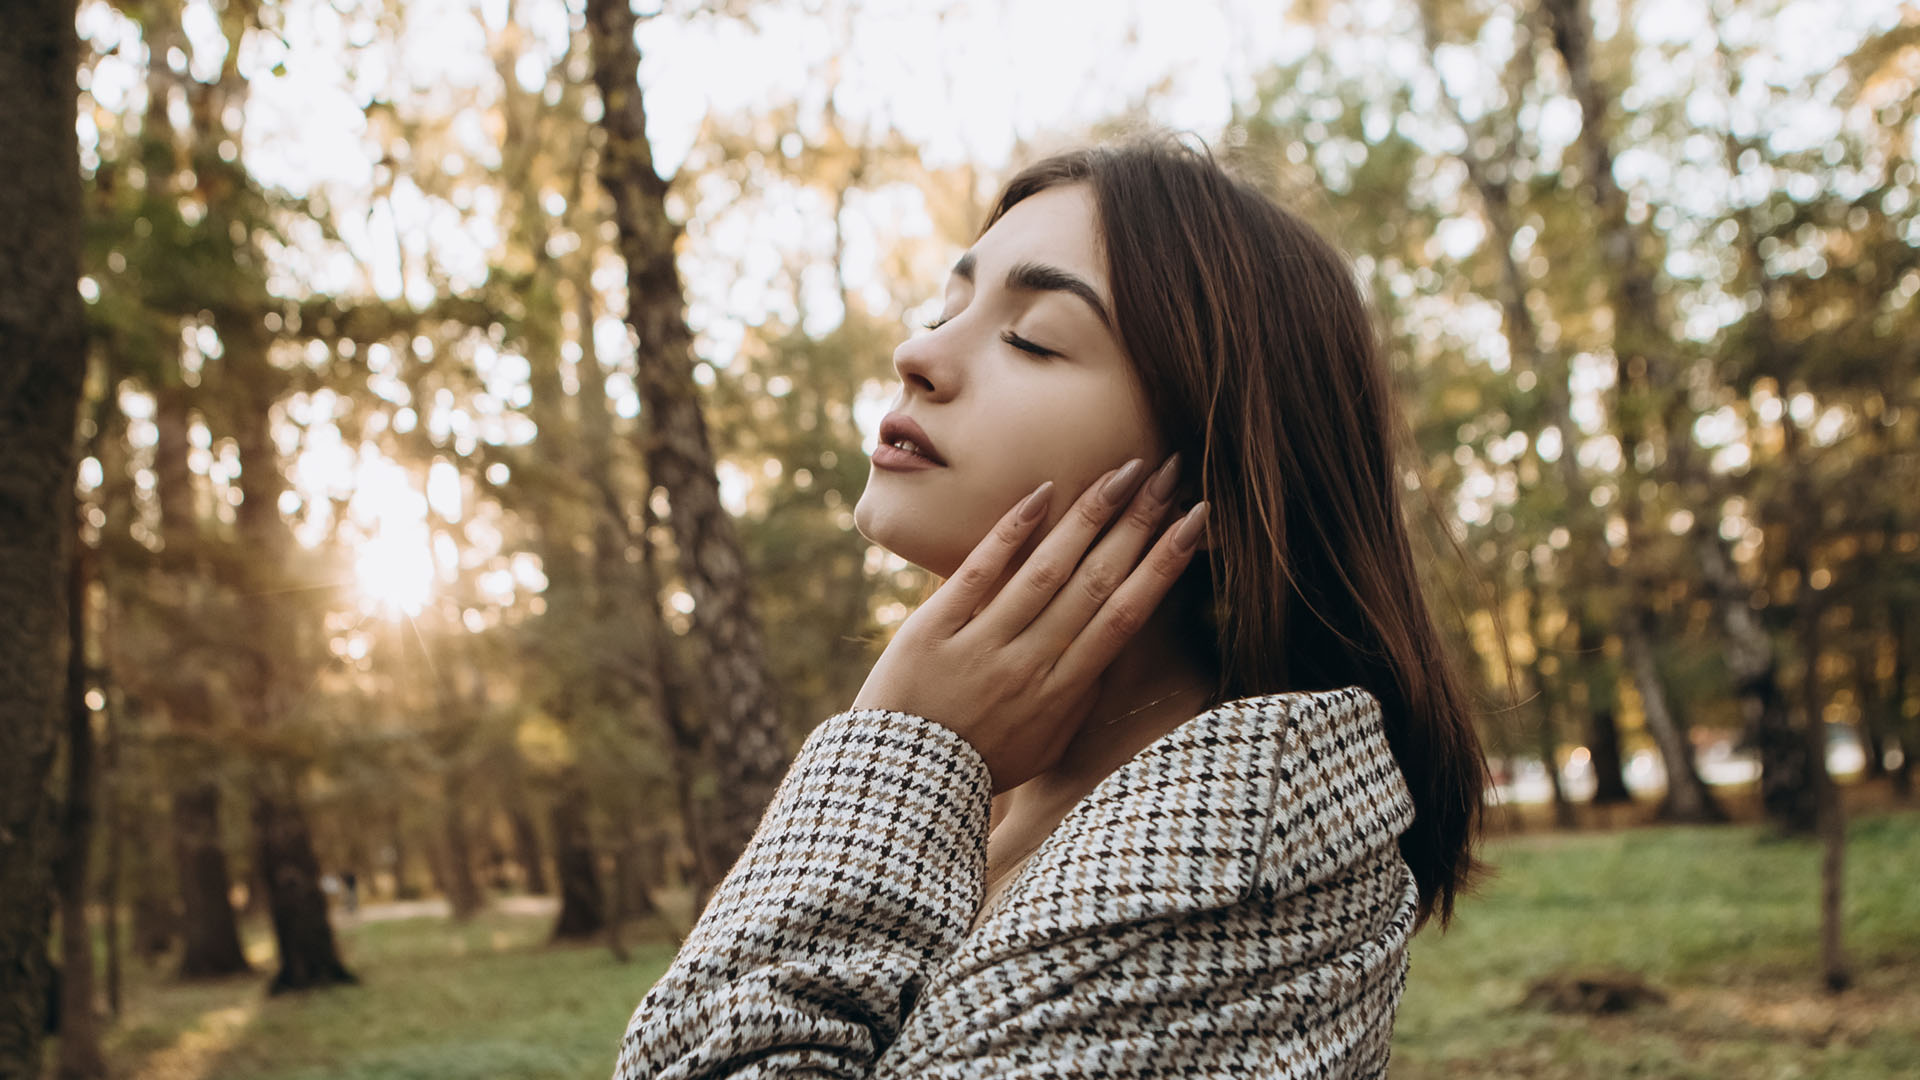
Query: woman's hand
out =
(1015, 672)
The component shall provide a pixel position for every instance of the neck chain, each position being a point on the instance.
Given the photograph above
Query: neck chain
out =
(1150, 704)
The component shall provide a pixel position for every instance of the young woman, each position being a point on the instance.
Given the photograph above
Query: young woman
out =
(1150, 786)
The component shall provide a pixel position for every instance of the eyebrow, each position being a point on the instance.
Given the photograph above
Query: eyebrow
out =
(1040, 277)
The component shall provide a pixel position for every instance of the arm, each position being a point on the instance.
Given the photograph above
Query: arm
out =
(863, 876)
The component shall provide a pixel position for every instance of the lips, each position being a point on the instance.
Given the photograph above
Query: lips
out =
(898, 428)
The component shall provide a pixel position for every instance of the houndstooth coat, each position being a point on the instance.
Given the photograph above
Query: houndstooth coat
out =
(1229, 903)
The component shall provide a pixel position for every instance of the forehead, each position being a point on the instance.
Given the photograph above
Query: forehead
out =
(1059, 226)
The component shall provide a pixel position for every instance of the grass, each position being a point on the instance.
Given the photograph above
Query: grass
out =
(481, 1001)
(1721, 919)
(1724, 920)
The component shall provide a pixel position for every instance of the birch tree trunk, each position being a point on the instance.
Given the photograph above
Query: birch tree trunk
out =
(739, 696)
(1688, 798)
(1652, 389)
(42, 363)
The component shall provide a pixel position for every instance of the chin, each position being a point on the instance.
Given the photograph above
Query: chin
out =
(924, 543)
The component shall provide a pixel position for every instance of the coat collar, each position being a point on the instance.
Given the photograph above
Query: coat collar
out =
(1276, 792)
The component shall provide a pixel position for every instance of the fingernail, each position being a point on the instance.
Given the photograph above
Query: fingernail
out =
(1186, 535)
(1161, 486)
(1117, 487)
(1036, 503)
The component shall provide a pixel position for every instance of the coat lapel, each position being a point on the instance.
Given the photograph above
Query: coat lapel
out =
(1268, 792)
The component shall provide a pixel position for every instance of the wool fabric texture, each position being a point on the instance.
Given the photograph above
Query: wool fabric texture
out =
(1231, 902)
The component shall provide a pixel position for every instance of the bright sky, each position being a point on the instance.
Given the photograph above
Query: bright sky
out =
(963, 80)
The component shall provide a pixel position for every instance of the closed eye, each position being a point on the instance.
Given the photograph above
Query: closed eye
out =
(936, 323)
(1026, 346)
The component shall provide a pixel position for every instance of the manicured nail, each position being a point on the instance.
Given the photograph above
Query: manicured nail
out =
(1122, 481)
(1186, 534)
(1036, 503)
(1161, 486)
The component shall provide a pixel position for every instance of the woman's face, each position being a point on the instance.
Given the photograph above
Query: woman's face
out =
(1001, 415)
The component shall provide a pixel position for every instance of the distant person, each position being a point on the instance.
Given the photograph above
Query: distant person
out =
(1150, 786)
(352, 882)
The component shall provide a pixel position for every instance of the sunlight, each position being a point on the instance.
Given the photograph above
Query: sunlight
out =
(394, 569)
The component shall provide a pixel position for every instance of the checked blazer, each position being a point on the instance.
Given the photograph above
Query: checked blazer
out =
(1231, 902)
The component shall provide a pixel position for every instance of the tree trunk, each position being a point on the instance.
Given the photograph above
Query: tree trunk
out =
(212, 930)
(1830, 815)
(742, 713)
(1792, 762)
(629, 595)
(1549, 746)
(290, 876)
(1687, 798)
(582, 905)
(286, 864)
(527, 850)
(463, 893)
(1602, 720)
(79, 1018)
(1908, 728)
(42, 363)
(1649, 386)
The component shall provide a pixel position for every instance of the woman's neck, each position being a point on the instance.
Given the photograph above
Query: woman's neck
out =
(1152, 687)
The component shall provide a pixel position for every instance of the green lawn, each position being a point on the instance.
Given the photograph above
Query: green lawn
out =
(1720, 919)
(1724, 920)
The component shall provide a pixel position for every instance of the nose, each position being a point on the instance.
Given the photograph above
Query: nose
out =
(926, 367)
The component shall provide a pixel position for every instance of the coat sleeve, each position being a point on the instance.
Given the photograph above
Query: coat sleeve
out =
(862, 877)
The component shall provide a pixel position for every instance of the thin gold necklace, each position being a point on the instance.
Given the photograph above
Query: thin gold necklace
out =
(1150, 704)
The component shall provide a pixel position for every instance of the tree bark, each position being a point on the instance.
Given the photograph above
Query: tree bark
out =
(42, 364)
(79, 1017)
(743, 714)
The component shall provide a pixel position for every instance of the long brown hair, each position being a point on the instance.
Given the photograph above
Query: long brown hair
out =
(1261, 363)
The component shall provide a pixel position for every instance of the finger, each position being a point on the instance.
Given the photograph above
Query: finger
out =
(1035, 583)
(954, 602)
(1128, 609)
(1100, 574)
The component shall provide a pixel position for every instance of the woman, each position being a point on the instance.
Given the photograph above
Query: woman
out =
(1117, 800)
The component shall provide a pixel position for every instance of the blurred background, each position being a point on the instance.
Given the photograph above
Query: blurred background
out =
(443, 630)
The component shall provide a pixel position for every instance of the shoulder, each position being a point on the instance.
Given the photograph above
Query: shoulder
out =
(1269, 794)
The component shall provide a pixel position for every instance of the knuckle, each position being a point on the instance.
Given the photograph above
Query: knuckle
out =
(1091, 512)
(975, 577)
(1099, 582)
(1046, 578)
(1125, 617)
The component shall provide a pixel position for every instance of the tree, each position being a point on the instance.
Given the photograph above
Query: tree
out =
(42, 366)
(1651, 387)
(743, 715)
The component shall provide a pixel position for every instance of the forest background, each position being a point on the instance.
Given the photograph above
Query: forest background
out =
(466, 402)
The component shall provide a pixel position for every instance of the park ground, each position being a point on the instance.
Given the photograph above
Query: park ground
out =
(1721, 921)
